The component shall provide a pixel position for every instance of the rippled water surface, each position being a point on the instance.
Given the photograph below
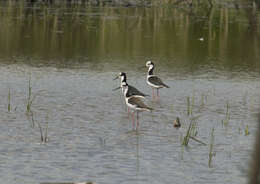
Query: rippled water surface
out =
(71, 54)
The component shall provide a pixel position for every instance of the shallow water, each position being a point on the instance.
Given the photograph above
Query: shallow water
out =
(90, 137)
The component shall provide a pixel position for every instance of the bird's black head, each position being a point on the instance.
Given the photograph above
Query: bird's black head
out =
(122, 74)
(149, 63)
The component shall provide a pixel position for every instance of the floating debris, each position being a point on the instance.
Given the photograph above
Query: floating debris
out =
(201, 39)
(246, 130)
(177, 123)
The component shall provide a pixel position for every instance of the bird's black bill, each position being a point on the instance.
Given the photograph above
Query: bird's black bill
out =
(116, 77)
(116, 89)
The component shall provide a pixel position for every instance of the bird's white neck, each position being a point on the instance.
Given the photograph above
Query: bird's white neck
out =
(126, 91)
(150, 70)
(123, 79)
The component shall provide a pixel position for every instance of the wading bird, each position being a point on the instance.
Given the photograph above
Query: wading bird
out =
(131, 89)
(134, 103)
(152, 80)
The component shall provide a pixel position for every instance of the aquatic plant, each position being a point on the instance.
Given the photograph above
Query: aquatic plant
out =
(43, 131)
(40, 128)
(186, 139)
(30, 117)
(246, 130)
(29, 101)
(189, 106)
(46, 130)
(9, 101)
(211, 153)
(190, 103)
(44, 135)
(197, 140)
(194, 131)
(227, 115)
(202, 102)
(191, 132)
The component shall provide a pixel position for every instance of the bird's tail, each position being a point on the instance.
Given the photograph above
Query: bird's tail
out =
(166, 86)
(149, 109)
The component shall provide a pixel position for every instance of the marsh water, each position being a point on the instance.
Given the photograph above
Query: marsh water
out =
(69, 53)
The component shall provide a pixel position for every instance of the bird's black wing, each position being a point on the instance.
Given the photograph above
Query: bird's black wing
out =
(138, 103)
(157, 81)
(134, 91)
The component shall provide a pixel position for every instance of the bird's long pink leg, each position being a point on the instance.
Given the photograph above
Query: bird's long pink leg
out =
(133, 119)
(153, 92)
(157, 94)
(128, 112)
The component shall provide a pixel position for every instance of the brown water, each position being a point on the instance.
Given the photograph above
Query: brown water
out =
(72, 54)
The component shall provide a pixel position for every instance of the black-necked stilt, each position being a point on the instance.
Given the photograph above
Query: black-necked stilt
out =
(134, 103)
(153, 80)
(132, 90)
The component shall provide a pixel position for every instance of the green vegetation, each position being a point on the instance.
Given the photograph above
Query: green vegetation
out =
(227, 115)
(189, 106)
(30, 115)
(191, 133)
(30, 98)
(186, 138)
(246, 130)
